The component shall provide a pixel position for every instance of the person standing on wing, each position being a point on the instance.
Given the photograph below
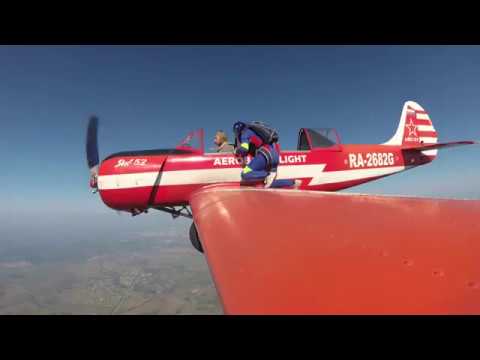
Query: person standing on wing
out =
(261, 142)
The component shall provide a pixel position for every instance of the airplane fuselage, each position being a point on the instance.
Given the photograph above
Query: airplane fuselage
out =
(156, 178)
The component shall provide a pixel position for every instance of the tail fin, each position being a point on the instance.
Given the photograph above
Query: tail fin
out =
(415, 129)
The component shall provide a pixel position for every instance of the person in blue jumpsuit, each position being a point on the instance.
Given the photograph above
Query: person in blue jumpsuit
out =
(264, 164)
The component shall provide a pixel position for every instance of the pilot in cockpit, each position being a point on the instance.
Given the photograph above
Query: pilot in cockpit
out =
(221, 142)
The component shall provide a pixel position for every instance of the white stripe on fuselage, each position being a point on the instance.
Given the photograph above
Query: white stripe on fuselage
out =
(225, 175)
(126, 181)
(331, 177)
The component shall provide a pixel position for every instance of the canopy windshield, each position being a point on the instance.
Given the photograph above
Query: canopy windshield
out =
(309, 139)
(193, 142)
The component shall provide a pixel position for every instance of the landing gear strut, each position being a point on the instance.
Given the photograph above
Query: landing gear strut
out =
(195, 240)
(183, 211)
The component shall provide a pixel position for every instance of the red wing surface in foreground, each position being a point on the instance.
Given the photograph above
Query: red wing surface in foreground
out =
(302, 252)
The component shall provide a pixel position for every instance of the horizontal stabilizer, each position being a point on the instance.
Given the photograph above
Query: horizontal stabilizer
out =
(439, 145)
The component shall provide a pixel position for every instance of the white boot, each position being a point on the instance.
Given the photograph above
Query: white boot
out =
(270, 179)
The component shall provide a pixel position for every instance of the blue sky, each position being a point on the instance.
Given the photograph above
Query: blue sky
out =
(151, 96)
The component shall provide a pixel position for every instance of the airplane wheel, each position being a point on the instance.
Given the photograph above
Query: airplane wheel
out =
(194, 238)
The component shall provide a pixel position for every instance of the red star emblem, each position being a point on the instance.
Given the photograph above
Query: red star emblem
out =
(412, 128)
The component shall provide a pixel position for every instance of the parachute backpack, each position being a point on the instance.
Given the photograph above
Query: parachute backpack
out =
(268, 134)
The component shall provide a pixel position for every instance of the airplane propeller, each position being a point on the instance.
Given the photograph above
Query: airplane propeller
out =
(92, 151)
(92, 154)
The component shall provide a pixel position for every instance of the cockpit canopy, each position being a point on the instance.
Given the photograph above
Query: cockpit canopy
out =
(310, 139)
(193, 142)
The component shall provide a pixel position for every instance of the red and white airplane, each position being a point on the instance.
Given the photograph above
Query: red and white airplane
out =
(163, 179)
(186, 181)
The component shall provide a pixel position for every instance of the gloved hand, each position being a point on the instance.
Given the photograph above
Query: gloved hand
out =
(240, 151)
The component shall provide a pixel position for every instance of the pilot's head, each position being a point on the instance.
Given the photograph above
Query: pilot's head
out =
(220, 137)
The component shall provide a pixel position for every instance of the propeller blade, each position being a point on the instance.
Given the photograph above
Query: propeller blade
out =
(92, 151)
(92, 143)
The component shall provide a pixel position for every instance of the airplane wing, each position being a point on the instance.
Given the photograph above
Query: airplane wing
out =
(300, 252)
(440, 145)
